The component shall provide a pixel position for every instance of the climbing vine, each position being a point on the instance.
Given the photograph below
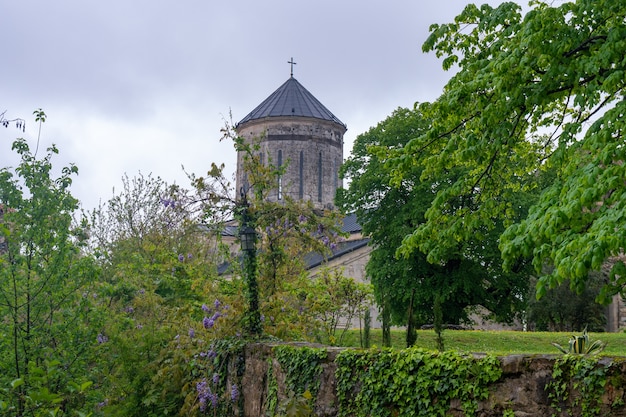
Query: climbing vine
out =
(302, 367)
(217, 373)
(411, 382)
(272, 390)
(587, 378)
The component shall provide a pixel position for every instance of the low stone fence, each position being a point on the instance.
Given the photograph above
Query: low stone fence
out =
(304, 379)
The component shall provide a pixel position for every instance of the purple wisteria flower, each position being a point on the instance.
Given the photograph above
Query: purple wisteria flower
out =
(208, 323)
(203, 393)
(213, 398)
(192, 332)
(102, 338)
(216, 378)
(234, 393)
(189, 256)
(205, 308)
(217, 303)
(181, 258)
(168, 202)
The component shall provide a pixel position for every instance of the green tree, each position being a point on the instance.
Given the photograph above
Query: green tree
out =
(468, 275)
(338, 300)
(287, 230)
(564, 310)
(533, 92)
(48, 327)
(159, 270)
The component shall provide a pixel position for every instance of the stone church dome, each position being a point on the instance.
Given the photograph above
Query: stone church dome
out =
(295, 130)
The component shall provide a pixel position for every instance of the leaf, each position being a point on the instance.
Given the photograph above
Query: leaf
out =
(16, 383)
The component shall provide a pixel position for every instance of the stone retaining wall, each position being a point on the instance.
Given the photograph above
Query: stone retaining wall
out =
(520, 390)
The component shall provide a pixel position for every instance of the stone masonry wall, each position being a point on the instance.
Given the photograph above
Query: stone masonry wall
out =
(305, 145)
(520, 390)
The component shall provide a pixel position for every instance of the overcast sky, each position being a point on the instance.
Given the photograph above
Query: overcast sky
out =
(135, 86)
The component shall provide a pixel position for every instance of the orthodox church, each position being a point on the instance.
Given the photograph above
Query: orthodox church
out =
(295, 130)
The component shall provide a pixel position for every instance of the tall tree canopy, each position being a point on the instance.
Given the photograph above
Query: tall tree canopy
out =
(469, 274)
(538, 91)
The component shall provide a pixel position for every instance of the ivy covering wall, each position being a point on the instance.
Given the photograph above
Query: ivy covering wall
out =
(307, 381)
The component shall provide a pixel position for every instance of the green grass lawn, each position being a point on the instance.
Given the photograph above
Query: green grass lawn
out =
(495, 342)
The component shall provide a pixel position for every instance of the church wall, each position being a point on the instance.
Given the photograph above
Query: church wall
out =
(353, 265)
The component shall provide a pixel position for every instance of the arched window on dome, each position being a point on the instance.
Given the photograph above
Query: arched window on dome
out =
(335, 174)
(280, 177)
(301, 167)
(319, 178)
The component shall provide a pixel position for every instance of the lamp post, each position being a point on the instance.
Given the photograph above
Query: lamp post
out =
(247, 237)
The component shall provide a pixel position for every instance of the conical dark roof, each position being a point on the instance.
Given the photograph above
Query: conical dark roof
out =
(291, 99)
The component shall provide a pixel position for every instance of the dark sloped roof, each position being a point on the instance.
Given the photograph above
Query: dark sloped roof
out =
(291, 99)
(351, 224)
(314, 259)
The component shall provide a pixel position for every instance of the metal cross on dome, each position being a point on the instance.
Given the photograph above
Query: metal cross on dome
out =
(292, 64)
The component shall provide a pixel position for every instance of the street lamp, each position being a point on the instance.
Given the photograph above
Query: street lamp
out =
(247, 235)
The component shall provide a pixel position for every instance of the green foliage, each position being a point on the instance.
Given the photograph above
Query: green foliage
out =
(217, 392)
(158, 285)
(585, 377)
(367, 324)
(496, 342)
(297, 406)
(562, 309)
(286, 231)
(468, 271)
(40, 396)
(386, 325)
(302, 367)
(337, 298)
(49, 325)
(272, 390)
(534, 94)
(411, 382)
(580, 345)
(411, 331)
